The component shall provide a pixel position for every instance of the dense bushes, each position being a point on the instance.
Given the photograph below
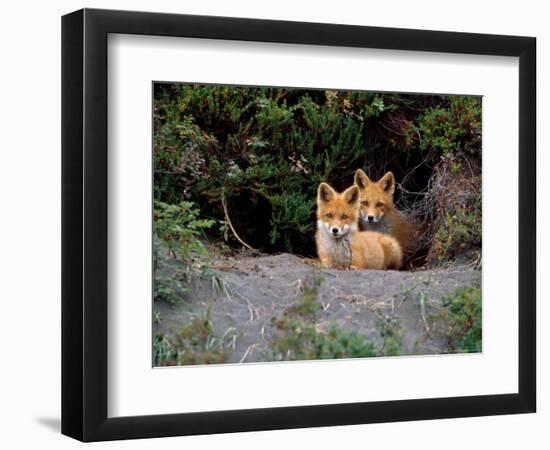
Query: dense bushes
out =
(454, 194)
(454, 129)
(263, 151)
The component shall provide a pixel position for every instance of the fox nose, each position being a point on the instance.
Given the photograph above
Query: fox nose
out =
(335, 231)
(370, 218)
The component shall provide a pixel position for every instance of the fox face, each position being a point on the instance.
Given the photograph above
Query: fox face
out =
(337, 214)
(376, 198)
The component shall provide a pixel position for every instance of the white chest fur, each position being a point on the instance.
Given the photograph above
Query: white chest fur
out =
(338, 249)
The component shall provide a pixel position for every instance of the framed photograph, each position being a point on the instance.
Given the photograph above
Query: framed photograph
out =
(273, 224)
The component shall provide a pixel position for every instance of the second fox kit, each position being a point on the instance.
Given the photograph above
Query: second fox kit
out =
(377, 212)
(341, 244)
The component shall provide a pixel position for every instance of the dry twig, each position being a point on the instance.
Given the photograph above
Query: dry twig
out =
(224, 205)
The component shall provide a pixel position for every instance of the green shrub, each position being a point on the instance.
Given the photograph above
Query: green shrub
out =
(339, 343)
(261, 152)
(264, 149)
(179, 226)
(178, 157)
(177, 232)
(462, 318)
(456, 199)
(453, 129)
(392, 336)
(298, 339)
(460, 230)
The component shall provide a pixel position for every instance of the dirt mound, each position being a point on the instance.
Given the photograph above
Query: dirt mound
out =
(244, 295)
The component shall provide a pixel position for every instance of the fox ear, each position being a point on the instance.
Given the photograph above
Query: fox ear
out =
(361, 179)
(351, 195)
(388, 183)
(325, 193)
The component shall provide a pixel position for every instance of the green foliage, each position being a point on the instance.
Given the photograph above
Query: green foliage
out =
(196, 343)
(263, 151)
(179, 226)
(179, 149)
(339, 343)
(457, 203)
(462, 320)
(179, 257)
(392, 335)
(460, 230)
(298, 339)
(454, 132)
(170, 279)
(163, 352)
(453, 129)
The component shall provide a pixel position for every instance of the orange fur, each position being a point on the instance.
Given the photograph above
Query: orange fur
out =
(377, 203)
(341, 244)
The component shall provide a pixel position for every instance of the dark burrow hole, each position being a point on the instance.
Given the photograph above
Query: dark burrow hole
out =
(251, 214)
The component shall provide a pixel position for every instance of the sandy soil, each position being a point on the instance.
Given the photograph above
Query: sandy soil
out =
(258, 288)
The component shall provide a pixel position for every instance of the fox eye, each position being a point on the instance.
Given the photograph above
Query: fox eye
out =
(365, 203)
(379, 205)
(344, 216)
(329, 215)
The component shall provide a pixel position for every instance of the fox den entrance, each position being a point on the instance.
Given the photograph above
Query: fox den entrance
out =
(244, 164)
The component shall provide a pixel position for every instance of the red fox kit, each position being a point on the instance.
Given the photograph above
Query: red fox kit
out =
(341, 244)
(377, 212)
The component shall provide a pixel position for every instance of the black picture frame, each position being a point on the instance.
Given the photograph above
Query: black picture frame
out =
(84, 224)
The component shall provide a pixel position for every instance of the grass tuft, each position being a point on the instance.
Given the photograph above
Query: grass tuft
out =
(195, 343)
